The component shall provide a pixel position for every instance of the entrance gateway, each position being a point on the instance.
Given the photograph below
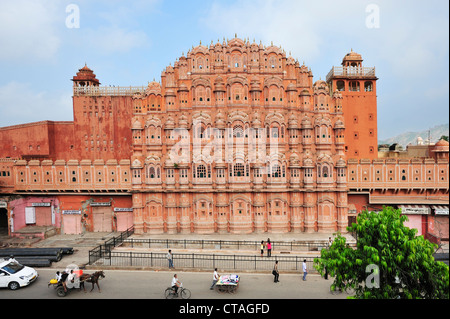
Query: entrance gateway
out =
(3, 218)
(102, 217)
(71, 222)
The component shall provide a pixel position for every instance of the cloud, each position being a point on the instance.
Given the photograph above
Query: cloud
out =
(109, 40)
(298, 26)
(19, 104)
(28, 30)
(409, 47)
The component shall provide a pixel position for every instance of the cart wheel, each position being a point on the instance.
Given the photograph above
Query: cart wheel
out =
(60, 292)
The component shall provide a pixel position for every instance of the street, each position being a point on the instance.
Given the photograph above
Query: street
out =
(136, 284)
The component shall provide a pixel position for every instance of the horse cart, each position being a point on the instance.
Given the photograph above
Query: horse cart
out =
(228, 283)
(76, 283)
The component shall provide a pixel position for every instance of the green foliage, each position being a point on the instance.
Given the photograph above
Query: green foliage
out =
(401, 262)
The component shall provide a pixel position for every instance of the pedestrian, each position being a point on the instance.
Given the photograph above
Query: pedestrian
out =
(329, 243)
(175, 284)
(58, 276)
(305, 271)
(269, 248)
(275, 272)
(262, 248)
(170, 259)
(215, 279)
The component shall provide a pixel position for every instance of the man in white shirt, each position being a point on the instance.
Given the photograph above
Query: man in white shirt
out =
(305, 271)
(175, 283)
(170, 259)
(71, 276)
(215, 279)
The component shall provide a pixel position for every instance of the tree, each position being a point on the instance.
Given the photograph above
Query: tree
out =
(444, 137)
(389, 260)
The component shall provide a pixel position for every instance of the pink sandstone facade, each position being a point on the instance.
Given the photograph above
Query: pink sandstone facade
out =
(235, 138)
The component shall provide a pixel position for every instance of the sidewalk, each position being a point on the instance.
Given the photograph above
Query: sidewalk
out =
(81, 245)
(87, 241)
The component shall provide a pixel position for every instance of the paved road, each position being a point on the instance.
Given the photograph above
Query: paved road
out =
(122, 284)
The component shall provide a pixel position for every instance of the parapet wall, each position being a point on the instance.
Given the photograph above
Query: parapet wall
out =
(412, 173)
(72, 176)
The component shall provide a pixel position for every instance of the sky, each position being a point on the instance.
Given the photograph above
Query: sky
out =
(43, 43)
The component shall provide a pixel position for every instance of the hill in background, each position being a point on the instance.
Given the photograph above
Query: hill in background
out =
(411, 137)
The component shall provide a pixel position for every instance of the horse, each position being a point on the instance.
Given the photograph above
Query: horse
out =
(94, 278)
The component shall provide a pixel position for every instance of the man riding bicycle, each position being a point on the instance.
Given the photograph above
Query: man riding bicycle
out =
(175, 284)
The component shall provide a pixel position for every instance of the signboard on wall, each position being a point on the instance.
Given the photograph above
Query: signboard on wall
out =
(40, 204)
(415, 209)
(440, 210)
(119, 209)
(71, 212)
(101, 204)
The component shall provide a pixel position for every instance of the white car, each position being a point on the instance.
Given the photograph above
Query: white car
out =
(15, 275)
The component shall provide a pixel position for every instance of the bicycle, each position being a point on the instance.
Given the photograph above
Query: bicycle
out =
(170, 293)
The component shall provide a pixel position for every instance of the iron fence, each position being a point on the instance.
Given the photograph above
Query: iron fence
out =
(108, 245)
(279, 246)
(202, 261)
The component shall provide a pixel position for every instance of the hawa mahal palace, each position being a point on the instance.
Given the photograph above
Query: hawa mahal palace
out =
(235, 138)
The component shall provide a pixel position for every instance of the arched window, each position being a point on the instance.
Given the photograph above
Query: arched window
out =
(238, 131)
(354, 86)
(201, 131)
(273, 63)
(201, 171)
(276, 170)
(340, 85)
(236, 61)
(368, 86)
(275, 132)
(151, 172)
(325, 171)
(239, 169)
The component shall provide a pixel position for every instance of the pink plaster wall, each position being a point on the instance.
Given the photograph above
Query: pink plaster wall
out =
(415, 221)
(18, 208)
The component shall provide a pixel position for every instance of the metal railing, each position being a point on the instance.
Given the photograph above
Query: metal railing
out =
(105, 248)
(108, 90)
(222, 244)
(351, 71)
(204, 261)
